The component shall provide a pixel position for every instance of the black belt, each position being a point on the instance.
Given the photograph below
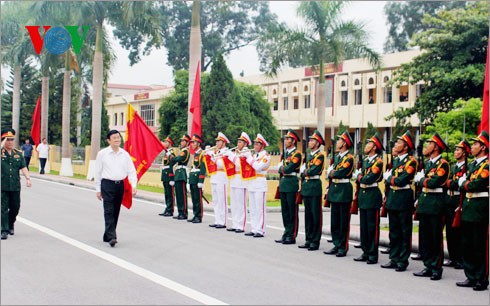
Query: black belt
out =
(111, 181)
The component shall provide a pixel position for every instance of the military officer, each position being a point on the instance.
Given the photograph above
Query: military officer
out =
(474, 216)
(340, 195)
(257, 187)
(12, 162)
(180, 163)
(288, 187)
(430, 207)
(168, 177)
(370, 199)
(196, 179)
(453, 234)
(399, 204)
(238, 186)
(311, 191)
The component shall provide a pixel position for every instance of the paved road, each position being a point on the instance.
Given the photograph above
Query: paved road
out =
(57, 257)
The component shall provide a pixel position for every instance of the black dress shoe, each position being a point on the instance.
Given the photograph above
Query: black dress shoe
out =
(400, 268)
(212, 225)
(279, 240)
(191, 220)
(416, 257)
(257, 235)
(182, 217)
(341, 254)
(11, 231)
(162, 214)
(360, 258)
(357, 246)
(289, 241)
(239, 231)
(480, 286)
(249, 234)
(332, 251)
(329, 240)
(385, 251)
(389, 265)
(448, 263)
(220, 226)
(168, 214)
(436, 276)
(423, 273)
(113, 242)
(458, 266)
(304, 246)
(4, 235)
(313, 247)
(371, 262)
(466, 283)
(196, 220)
(230, 229)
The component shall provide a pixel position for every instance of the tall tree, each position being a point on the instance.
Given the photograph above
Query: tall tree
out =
(326, 38)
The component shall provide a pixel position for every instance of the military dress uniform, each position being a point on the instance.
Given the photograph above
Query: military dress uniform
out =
(400, 201)
(453, 199)
(196, 180)
(311, 191)
(430, 210)
(11, 164)
(474, 220)
(369, 201)
(167, 176)
(180, 164)
(340, 198)
(288, 188)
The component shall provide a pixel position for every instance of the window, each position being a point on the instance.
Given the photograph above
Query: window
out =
(115, 119)
(274, 92)
(296, 103)
(344, 98)
(284, 90)
(276, 105)
(357, 82)
(305, 88)
(342, 84)
(285, 103)
(372, 99)
(371, 81)
(419, 89)
(358, 96)
(148, 114)
(295, 89)
(122, 118)
(388, 94)
(308, 101)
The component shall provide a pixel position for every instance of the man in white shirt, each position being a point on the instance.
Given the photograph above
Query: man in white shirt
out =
(43, 153)
(112, 165)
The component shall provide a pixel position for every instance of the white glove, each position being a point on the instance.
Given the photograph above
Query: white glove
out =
(199, 185)
(420, 175)
(168, 153)
(462, 180)
(356, 174)
(386, 175)
(329, 169)
(302, 168)
(171, 183)
(188, 187)
(247, 154)
(279, 165)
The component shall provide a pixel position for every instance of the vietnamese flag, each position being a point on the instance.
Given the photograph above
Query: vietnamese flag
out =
(195, 107)
(36, 123)
(484, 116)
(143, 147)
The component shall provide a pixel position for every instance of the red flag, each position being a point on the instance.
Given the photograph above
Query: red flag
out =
(143, 147)
(36, 123)
(195, 108)
(229, 167)
(484, 115)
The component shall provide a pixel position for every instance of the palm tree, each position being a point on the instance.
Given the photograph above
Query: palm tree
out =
(326, 38)
(194, 56)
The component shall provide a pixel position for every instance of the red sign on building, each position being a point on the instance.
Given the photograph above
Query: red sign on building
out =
(142, 96)
(328, 68)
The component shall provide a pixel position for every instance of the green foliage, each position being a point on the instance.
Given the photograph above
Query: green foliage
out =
(342, 128)
(370, 131)
(453, 63)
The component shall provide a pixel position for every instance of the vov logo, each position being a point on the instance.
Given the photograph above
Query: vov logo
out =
(57, 39)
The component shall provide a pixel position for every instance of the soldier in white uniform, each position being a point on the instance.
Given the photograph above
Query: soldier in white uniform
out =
(238, 186)
(257, 187)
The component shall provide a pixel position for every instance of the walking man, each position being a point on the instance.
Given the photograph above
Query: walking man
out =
(27, 150)
(43, 153)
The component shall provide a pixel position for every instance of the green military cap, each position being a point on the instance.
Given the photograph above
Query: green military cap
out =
(482, 138)
(377, 141)
(438, 140)
(346, 137)
(407, 138)
(318, 137)
(463, 144)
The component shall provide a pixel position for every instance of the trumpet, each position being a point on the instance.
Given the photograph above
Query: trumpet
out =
(209, 149)
(246, 150)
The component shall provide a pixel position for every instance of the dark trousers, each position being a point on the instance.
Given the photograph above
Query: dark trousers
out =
(10, 209)
(28, 161)
(369, 233)
(181, 197)
(43, 164)
(474, 243)
(313, 219)
(453, 238)
(112, 194)
(400, 222)
(289, 211)
(196, 196)
(430, 241)
(169, 197)
(340, 225)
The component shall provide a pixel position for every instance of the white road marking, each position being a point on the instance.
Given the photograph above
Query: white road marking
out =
(158, 279)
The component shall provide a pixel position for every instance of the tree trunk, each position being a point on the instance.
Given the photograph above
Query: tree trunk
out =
(194, 57)
(16, 104)
(321, 103)
(44, 107)
(66, 167)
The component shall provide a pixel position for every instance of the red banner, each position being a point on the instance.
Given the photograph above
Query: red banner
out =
(484, 116)
(248, 172)
(195, 107)
(211, 167)
(229, 167)
(36, 123)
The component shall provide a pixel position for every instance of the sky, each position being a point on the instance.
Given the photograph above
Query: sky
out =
(152, 69)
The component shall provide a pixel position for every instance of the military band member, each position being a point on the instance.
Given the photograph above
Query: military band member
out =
(311, 191)
(453, 234)
(12, 162)
(238, 186)
(474, 216)
(340, 195)
(430, 208)
(196, 179)
(168, 177)
(370, 199)
(219, 182)
(180, 164)
(288, 187)
(257, 187)
(400, 200)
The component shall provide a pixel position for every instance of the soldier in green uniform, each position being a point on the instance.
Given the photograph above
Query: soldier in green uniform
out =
(430, 207)
(400, 200)
(12, 162)
(288, 187)
(311, 191)
(168, 177)
(453, 200)
(180, 163)
(196, 179)
(474, 217)
(370, 199)
(340, 195)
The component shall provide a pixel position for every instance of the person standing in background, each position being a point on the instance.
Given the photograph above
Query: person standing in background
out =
(43, 153)
(27, 149)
